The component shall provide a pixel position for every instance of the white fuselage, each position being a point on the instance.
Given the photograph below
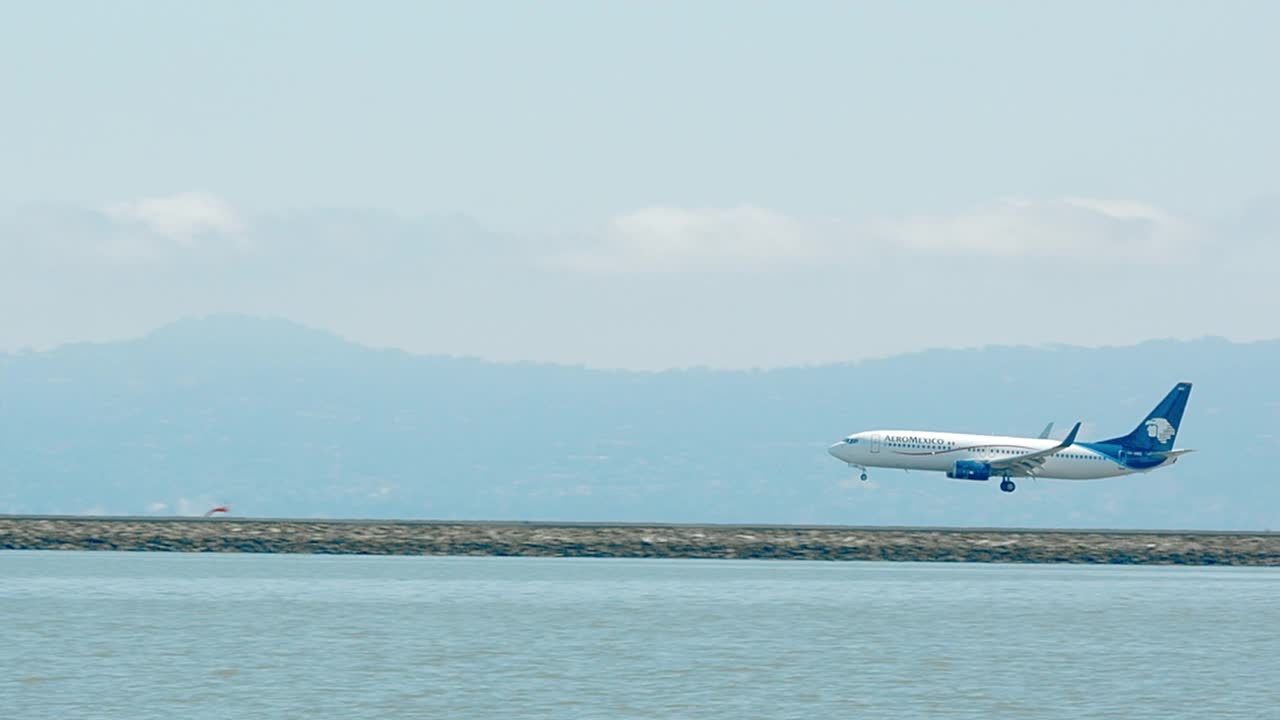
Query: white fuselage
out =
(939, 451)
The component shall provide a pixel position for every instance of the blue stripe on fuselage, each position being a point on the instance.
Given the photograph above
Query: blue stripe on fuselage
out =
(1131, 460)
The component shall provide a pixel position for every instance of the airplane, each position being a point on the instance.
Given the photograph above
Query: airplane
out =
(982, 457)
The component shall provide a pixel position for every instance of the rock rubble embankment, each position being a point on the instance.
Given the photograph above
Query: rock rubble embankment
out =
(638, 541)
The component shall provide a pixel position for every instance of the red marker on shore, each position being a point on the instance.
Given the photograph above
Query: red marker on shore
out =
(215, 511)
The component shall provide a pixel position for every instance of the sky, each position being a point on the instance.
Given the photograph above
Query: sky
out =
(643, 185)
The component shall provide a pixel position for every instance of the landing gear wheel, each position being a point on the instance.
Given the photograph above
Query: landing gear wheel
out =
(1007, 485)
(863, 477)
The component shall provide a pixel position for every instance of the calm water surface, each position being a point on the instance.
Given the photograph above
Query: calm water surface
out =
(116, 635)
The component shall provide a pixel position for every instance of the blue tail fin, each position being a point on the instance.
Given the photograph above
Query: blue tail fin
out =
(1160, 428)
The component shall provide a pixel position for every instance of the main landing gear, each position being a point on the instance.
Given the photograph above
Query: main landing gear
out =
(1007, 485)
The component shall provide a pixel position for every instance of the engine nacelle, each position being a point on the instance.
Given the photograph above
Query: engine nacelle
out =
(970, 470)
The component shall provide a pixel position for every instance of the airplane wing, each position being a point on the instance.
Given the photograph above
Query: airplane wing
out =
(1029, 463)
(1044, 434)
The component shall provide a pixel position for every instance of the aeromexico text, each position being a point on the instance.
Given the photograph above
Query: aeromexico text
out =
(917, 440)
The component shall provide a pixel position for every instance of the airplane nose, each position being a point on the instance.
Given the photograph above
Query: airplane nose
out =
(837, 451)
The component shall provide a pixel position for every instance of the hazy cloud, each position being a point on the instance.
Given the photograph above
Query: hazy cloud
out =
(671, 239)
(180, 217)
(1078, 228)
(197, 228)
(652, 240)
(144, 231)
(657, 287)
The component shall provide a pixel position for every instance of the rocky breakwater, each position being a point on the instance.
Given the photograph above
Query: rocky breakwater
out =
(637, 541)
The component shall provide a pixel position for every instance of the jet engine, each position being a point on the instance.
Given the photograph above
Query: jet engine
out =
(970, 470)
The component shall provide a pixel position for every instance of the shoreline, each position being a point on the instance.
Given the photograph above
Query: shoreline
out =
(639, 540)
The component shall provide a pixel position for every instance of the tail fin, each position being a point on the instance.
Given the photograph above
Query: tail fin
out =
(1158, 431)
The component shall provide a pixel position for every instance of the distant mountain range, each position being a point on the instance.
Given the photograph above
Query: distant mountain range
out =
(275, 419)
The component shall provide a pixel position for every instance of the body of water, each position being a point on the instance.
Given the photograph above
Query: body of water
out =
(142, 635)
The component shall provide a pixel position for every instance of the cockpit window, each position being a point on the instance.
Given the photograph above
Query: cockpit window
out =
(851, 441)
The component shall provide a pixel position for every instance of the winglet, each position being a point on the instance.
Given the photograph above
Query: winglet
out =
(1070, 439)
(1044, 434)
